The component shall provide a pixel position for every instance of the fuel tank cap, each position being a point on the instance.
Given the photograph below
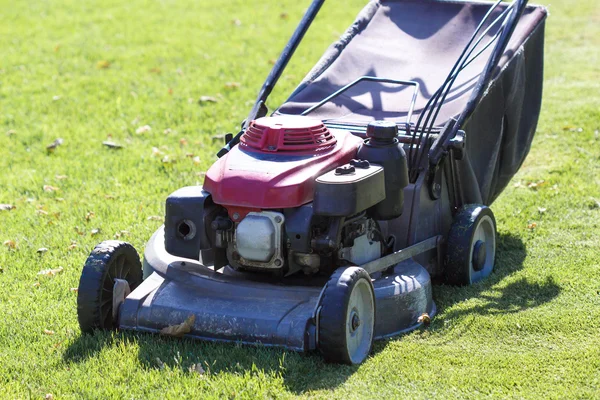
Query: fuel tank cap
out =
(382, 130)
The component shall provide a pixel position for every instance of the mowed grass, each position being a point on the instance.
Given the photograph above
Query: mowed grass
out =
(92, 71)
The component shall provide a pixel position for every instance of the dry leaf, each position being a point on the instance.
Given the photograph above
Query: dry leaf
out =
(183, 142)
(232, 85)
(42, 250)
(89, 215)
(51, 272)
(79, 231)
(155, 70)
(109, 196)
(533, 225)
(156, 152)
(11, 244)
(48, 188)
(167, 160)
(41, 212)
(207, 99)
(103, 64)
(60, 199)
(236, 22)
(74, 290)
(6, 207)
(49, 396)
(37, 284)
(112, 145)
(167, 131)
(48, 332)
(196, 160)
(542, 210)
(197, 368)
(143, 129)
(154, 218)
(284, 15)
(60, 177)
(424, 319)
(72, 246)
(180, 329)
(95, 231)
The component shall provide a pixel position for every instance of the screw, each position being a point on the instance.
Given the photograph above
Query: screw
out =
(236, 216)
(278, 219)
(278, 263)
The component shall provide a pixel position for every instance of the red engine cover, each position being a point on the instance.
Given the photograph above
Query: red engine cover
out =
(277, 161)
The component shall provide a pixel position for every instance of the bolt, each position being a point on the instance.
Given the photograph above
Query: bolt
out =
(236, 216)
(355, 322)
(278, 263)
(278, 219)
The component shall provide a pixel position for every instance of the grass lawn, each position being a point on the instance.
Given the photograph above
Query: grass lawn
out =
(87, 72)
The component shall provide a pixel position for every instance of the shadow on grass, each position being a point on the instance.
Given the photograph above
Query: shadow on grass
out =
(301, 373)
(498, 299)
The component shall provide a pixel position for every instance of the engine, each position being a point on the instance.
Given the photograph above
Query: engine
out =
(292, 196)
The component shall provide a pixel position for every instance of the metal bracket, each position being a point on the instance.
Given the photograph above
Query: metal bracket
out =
(121, 290)
(401, 255)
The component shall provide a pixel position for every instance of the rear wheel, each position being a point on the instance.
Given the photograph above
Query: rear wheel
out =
(109, 261)
(471, 245)
(347, 316)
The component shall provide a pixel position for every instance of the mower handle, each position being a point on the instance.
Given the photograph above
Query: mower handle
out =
(259, 109)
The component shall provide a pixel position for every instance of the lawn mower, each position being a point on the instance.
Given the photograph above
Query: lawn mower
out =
(323, 223)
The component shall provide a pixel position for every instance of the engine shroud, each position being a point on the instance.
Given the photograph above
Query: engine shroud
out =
(278, 169)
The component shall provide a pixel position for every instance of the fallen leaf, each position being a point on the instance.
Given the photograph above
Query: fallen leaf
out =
(183, 142)
(189, 155)
(60, 177)
(103, 64)
(74, 290)
(143, 129)
(207, 99)
(41, 212)
(236, 22)
(11, 132)
(72, 246)
(233, 85)
(52, 146)
(49, 396)
(196, 160)
(79, 231)
(156, 70)
(6, 207)
(37, 284)
(42, 250)
(154, 218)
(11, 244)
(122, 233)
(197, 368)
(94, 232)
(542, 210)
(532, 226)
(59, 199)
(424, 319)
(156, 152)
(51, 272)
(48, 332)
(167, 160)
(167, 131)
(284, 15)
(89, 215)
(170, 91)
(112, 145)
(180, 329)
(48, 188)
(109, 196)
(272, 61)
(161, 365)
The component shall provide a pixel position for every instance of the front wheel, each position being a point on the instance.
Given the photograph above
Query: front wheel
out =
(471, 245)
(347, 316)
(109, 262)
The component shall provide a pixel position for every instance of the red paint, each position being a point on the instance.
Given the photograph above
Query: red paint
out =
(296, 134)
(255, 179)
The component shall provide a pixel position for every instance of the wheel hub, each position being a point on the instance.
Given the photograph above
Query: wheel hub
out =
(479, 255)
(355, 322)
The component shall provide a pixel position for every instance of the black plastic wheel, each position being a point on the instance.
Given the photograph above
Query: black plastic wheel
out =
(108, 261)
(471, 245)
(347, 316)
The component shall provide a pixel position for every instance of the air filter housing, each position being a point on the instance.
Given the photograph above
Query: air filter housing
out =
(289, 134)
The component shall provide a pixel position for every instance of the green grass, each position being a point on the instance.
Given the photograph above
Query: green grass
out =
(531, 331)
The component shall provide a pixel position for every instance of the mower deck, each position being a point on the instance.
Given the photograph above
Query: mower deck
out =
(229, 307)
